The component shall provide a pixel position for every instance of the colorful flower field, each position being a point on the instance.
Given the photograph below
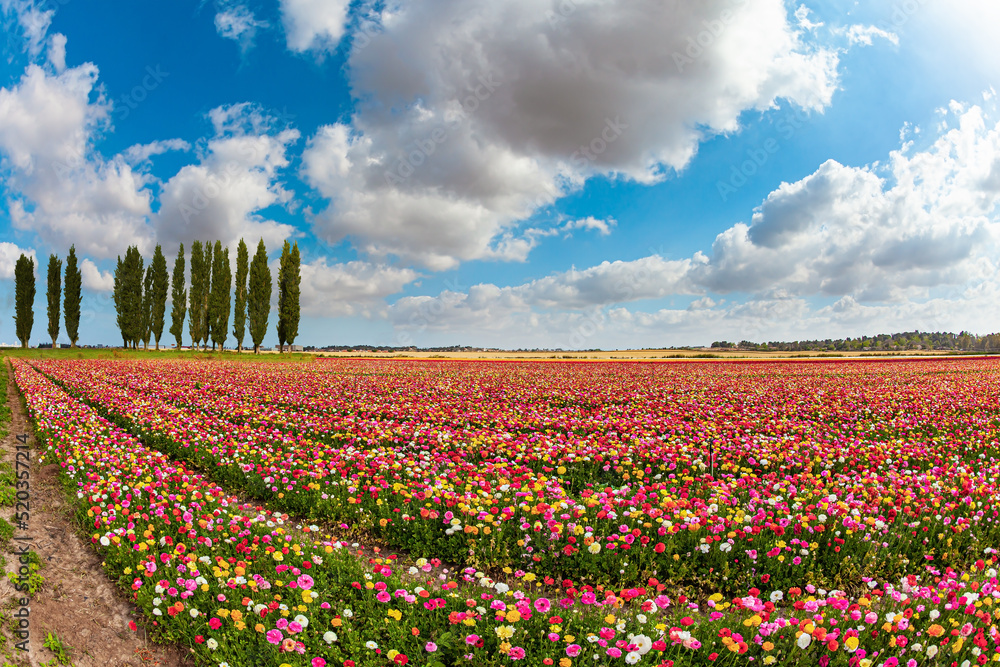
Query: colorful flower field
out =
(830, 513)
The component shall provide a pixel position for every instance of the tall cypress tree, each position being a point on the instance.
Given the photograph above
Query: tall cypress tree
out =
(128, 296)
(222, 282)
(53, 295)
(259, 296)
(288, 295)
(178, 299)
(72, 297)
(159, 286)
(198, 287)
(206, 296)
(24, 298)
(146, 330)
(240, 312)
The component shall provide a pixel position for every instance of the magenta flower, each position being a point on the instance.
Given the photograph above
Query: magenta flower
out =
(274, 636)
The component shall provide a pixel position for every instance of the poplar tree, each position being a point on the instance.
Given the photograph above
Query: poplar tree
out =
(146, 328)
(288, 295)
(259, 296)
(72, 297)
(206, 295)
(240, 311)
(160, 285)
(220, 302)
(178, 299)
(198, 287)
(53, 294)
(24, 298)
(128, 296)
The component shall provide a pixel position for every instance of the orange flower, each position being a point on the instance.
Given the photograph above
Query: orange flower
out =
(935, 630)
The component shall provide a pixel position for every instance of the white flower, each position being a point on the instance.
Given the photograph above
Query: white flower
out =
(302, 620)
(348, 613)
(934, 614)
(932, 651)
(642, 643)
(329, 637)
(725, 546)
(501, 588)
(804, 640)
(105, 541)
(194, 612)
(212, 644)
(594, 548)
(632, 658)
(371, 645)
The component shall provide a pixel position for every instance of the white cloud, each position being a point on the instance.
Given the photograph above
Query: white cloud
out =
(57, 52)
(60, 187)
(602, 227)
(865, 34)
(94, 279)
(9, 254)
(314, 25)
(473, 114)
(235, 178)
(351, 288)
(887, 242)
(31, 20)
(239, 24)
(141, 152)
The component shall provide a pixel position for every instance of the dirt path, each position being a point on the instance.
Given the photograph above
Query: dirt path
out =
(77, 602)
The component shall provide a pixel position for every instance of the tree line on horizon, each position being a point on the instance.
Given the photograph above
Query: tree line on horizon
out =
(906, 340)
(140, 296)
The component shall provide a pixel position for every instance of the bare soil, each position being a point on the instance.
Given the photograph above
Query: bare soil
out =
(77, 602)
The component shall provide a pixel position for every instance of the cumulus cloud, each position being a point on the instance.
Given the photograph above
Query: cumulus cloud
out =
(602, 227)
(351, 288)
(93, 278)
(9, 254)
(59, 186)
(885, 240)
(235, 178)
(141, 152)
(472, 115)
(238, 23)
(314, 25)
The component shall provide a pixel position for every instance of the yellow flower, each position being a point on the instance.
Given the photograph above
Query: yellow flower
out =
(394, 613)
(851, 644)
(513, 616)
(770, 660)
(505, 631)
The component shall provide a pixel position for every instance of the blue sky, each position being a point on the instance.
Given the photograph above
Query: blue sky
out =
(573, 173)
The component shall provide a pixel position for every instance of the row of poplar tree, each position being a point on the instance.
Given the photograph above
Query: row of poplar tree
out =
(24, 297)
(140, 296)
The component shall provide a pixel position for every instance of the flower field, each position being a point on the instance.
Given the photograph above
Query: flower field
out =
(541, 513)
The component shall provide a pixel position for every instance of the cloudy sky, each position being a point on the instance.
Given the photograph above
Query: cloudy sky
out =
(521, 173)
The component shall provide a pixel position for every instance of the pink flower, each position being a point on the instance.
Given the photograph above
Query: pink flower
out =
(318, 662)
(383, 597)
(587, 598)
(294, 627)
(516, 653)
(274, 636)
(430, 647)
(542, 605)
(471, 639)
(215, 624)
(614, 652)
(573, 650)
(282, 623)
(305, 582)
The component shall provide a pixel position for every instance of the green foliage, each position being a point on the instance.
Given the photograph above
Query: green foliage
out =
(240, 311)
(128, 296)
(53, 294)
(220, 302)
(288, 295)
(159, 289)
(206, 295)
(72, 297)
(147, 308)
(6, 531)
(24, 298)
(54, 644)
(259, 297)
(197, 291)
(34, 579)
(178, 297)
